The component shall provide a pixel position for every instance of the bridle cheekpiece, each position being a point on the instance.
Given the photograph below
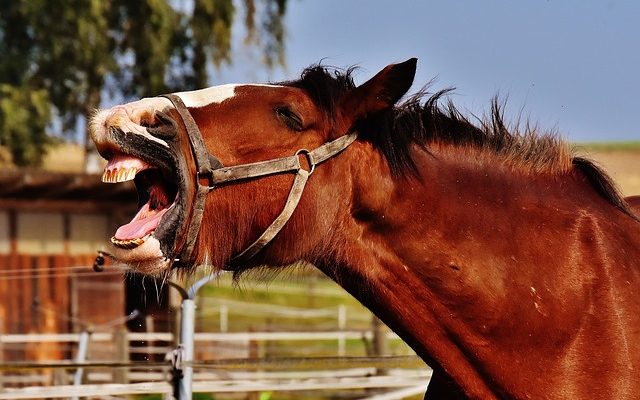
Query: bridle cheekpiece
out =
(210, 173)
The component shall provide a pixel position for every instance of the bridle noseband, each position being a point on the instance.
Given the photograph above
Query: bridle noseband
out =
(211, 171)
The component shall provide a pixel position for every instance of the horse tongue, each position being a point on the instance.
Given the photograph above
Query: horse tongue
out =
(141, 225)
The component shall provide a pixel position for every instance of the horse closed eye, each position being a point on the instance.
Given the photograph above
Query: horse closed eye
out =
(291, 119)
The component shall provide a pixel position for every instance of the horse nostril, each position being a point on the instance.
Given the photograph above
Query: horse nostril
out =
(163, 126)
(155, 120)
(163, 118)
(150, 122)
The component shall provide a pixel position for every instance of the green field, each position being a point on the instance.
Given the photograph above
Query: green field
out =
(610, 146)
(310, 291)
(626, 146)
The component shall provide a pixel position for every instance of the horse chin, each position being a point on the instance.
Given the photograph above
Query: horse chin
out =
(147, 258)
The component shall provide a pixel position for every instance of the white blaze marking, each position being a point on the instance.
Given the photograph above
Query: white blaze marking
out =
(124, 116)
(213, 94)
(202, 97)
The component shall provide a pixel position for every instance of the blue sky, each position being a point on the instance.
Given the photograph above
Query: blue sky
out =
(569, 65)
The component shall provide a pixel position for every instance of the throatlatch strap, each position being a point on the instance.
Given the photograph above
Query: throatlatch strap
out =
(276, 226)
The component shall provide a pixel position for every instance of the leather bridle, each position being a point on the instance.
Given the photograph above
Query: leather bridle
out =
(210, 170)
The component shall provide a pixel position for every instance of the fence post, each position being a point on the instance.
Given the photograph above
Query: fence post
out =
(83, 345)
(121, 375)
(150, 328)
(73, 302)
(379, 337)
(311, 295)
(182, 357)
(379, 341)
(342, 324)
(187, 327)
(255, 351)
(224, 318)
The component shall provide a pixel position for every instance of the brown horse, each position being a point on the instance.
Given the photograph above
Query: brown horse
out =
(508, 264)
(634, 203)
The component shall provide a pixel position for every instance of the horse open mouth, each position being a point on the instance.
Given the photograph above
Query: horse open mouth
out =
(157, 193)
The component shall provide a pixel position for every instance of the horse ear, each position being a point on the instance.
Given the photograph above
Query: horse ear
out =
(380, 92)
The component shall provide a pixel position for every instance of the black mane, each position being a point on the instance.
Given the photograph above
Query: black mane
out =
(422, 120)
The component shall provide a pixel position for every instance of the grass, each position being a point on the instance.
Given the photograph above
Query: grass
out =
(268, 292)
(314, 292)
(633, 145)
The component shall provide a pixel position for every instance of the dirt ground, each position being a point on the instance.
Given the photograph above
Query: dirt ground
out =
(622, 165)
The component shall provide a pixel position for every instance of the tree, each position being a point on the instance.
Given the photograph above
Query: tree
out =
(60, 58)
(24, 114)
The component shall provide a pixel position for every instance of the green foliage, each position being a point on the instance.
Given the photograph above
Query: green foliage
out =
(266, 395)
(65, 53)
(24, 115)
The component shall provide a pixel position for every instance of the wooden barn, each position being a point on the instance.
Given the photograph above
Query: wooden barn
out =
(51, 226)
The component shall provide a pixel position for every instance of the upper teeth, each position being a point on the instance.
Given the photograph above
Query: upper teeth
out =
(119, 174)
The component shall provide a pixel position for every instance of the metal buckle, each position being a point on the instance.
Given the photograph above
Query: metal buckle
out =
(205, 175)
(307, 155)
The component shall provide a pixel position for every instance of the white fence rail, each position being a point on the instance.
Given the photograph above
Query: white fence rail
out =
(117, 376)
(199, 336)
(223, 386)
(218, 378)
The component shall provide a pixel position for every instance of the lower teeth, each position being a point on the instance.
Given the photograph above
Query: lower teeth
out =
(129, 243)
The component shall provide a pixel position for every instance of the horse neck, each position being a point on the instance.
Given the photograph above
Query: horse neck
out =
(428, 256)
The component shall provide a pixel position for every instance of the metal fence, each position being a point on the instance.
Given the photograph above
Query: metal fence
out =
(180, 363)
(400, 376)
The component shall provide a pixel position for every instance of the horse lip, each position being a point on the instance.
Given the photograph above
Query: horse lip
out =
(119, 141)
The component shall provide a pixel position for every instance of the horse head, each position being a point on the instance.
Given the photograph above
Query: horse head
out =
(191, 156)
(477, 244)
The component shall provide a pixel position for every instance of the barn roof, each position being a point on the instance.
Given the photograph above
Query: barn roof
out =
(62, 190)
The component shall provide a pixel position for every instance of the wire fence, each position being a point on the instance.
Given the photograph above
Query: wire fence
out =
(230, 356)
(329, 376)
(406, 375)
